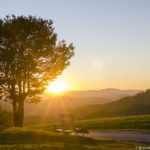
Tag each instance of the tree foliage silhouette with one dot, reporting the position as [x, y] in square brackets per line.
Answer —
[29, 59]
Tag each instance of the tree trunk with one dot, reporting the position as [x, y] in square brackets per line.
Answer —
[21, 113]
[18, 113]
[15, 116]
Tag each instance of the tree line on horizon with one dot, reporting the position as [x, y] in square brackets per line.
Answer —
[127, 106]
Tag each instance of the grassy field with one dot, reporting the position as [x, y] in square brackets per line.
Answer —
[117, 123]
[141, 123]
[36, 139]
[42, 137]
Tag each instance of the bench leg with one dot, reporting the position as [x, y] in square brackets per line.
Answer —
[62, 131]
[54, 128]
[70, 131]
[76, 134]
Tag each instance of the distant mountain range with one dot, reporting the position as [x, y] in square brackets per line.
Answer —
[105, 93]
[82, 104]
[138, 104]
[49, 109]
[131, 105]
[54, 103]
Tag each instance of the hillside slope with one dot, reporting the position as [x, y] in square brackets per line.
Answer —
[55, 103]
[131, 105]
[134, 105]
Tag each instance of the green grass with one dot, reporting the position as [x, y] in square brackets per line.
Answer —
[42, 137]
[117, 123]
[141, 123]
[36, 139]
[104, 146]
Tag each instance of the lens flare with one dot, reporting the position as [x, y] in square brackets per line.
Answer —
[56, 87]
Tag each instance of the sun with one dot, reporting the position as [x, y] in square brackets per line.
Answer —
[56, 87]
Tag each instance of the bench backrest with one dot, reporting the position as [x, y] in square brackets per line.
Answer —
[67, 121]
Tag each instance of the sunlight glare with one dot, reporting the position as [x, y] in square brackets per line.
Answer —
[56, 87]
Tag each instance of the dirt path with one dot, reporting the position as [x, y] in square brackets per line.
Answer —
[132, 136]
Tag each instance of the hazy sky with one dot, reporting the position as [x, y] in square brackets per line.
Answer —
[112, 39]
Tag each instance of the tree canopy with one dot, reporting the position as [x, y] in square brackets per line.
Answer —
[29, 58]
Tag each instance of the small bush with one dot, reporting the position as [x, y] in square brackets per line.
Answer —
[6, 118]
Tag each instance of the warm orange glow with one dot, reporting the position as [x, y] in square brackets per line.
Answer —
[56, 87]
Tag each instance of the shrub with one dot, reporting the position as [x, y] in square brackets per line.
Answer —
[6, 118]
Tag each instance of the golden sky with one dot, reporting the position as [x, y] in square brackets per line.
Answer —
[111, 39]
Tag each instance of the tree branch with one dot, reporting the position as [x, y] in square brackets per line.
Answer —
[4, 88]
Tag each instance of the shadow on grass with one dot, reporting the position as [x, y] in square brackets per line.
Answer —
[67, 141]
[22, 139]
[26, 136]
[3, 128]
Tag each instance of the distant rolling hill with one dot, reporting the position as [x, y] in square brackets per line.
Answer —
[132, 105]
[53, 103]
[105, 93]
[58, 104]
[49, 110]
[80, 103]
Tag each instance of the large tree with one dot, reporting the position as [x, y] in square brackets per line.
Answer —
[30, 58]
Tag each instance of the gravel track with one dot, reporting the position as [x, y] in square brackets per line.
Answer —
[131, 136]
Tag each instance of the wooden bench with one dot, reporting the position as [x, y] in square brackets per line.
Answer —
[68, 125]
